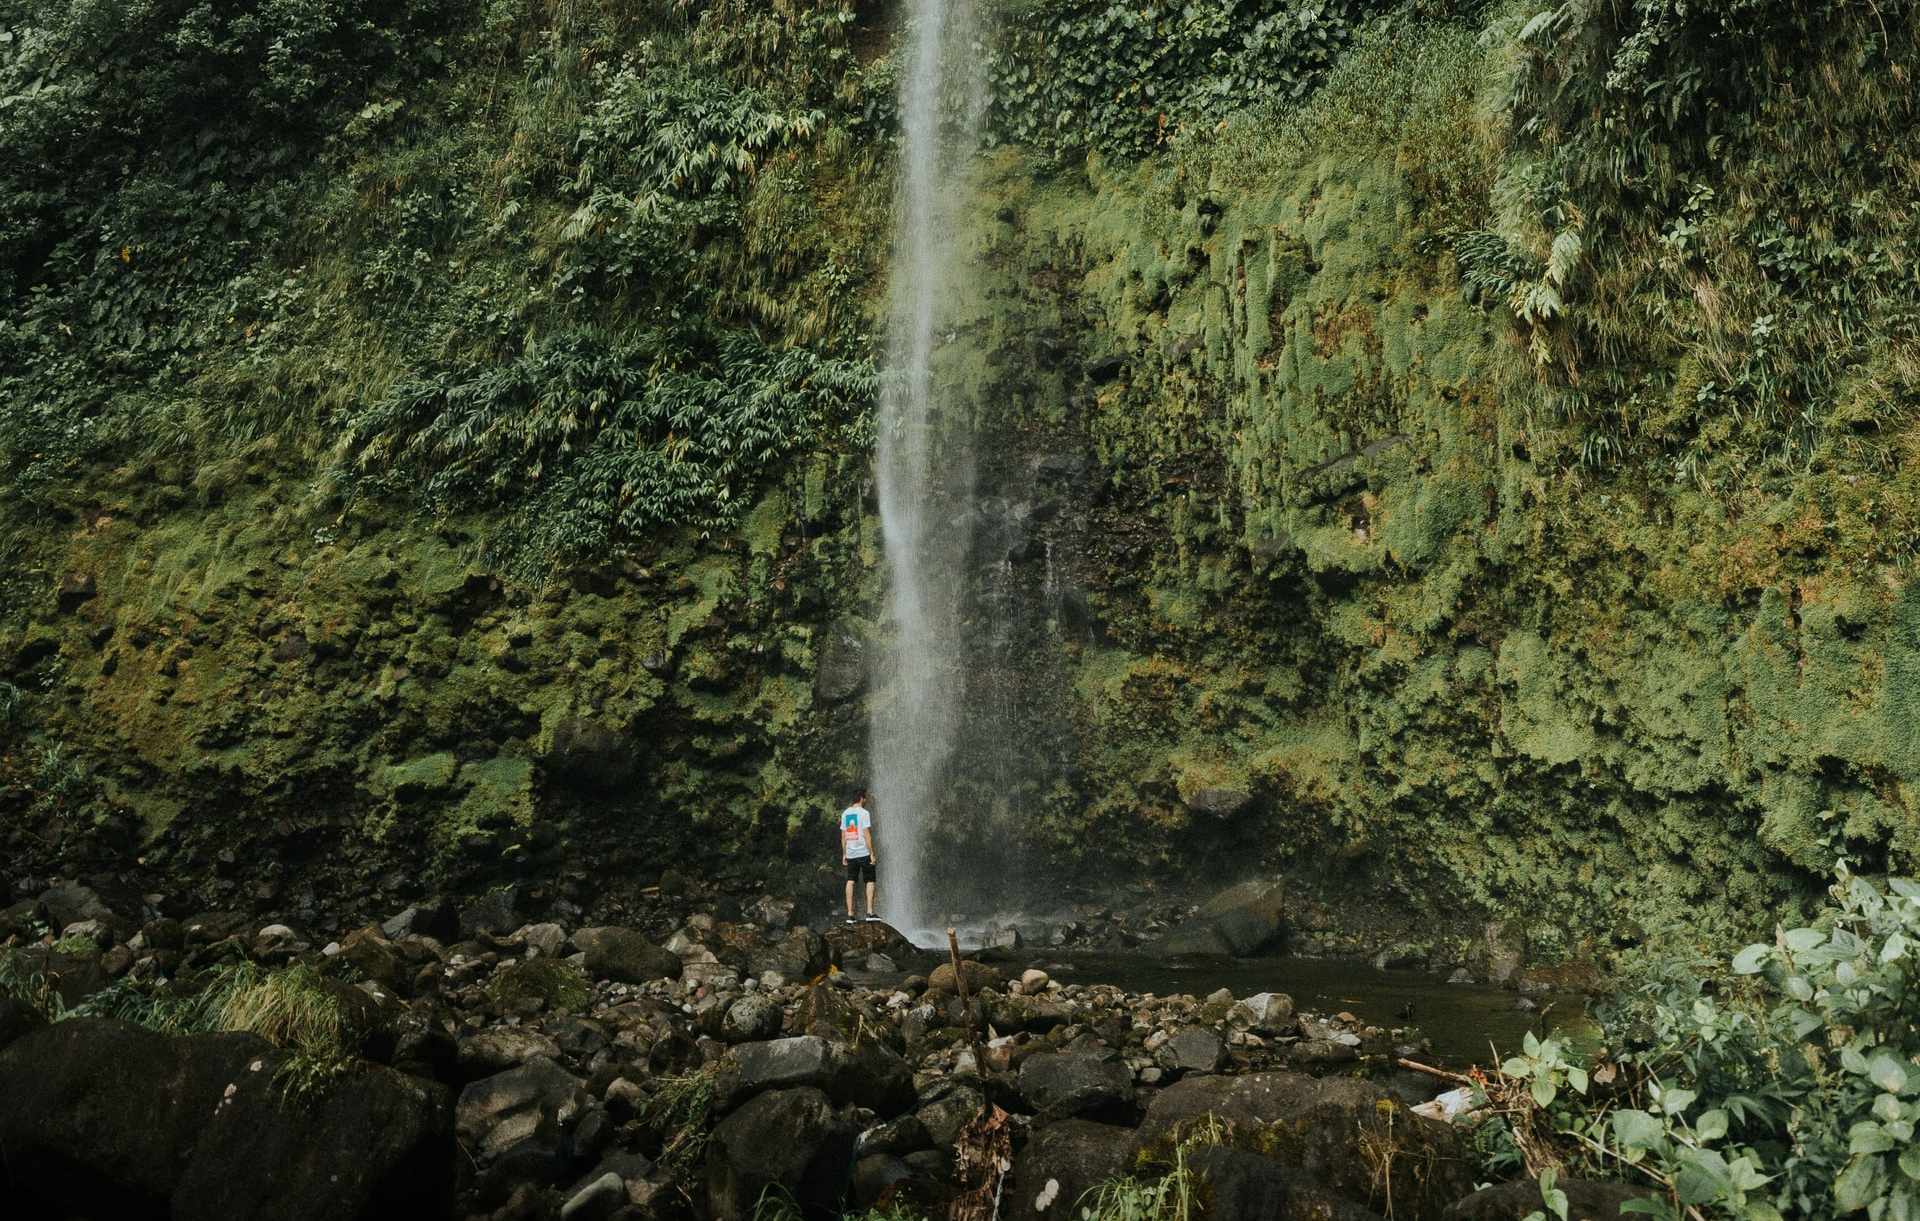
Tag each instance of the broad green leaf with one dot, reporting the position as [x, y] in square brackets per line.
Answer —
[1906, 888]
[1675, 1101]
[1887, 1108]
[1516, 1067]
[1857, 1184]
[1543, 1091]
[1868, 1137]
[1750, 960]
[1746, 1175]
[1800, 940]
[1712, 1125]
[1799, 988]
[1894, 949]
[1638, 1129]
[1887, 1073]
[1577, 1078]
[1530, 1044]
[1910, 1162]
[1853, 1061]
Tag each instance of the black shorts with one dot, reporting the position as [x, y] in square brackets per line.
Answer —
[859, 869]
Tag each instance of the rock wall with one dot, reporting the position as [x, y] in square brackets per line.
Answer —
[1277, 564]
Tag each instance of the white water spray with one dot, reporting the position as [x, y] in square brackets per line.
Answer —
[924, 466]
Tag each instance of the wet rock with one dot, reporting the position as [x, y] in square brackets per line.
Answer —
[782, 1064]
[1058, 1085]
[83, 1142]
[979, 976]
[537, 1099]
[847, 943]
[498, 1048]
[587, 753]
[899, 1137]
[880, 963]
[1035, 1015]
[438, 920]
[947, 1109]
[869, 1075]
[1244, 1186]
[1264, 1013]
[1324, 1130]
[1502, 952]
[374, 1144]
[69, 903]
[1400, 956]
[840, 664]
[752, 1017]
[374, 956]
[1515, 1201]
[800, 954]
[545, 940]
[597, 1201]
[1192, 1050]
[1241, 920]
[17, 1018]
[1219, 802]
[773, 912]
[875, 1175]
[625, 956]
[495, 913]
[789, 1140]
[1061, 1163]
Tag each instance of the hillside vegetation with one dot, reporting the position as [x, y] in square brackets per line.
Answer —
[1473, 443]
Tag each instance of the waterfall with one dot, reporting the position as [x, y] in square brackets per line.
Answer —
[924, 470]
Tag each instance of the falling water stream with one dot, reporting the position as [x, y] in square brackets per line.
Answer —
[924, 467]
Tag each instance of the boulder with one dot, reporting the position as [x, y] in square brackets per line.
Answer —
[374, 1144]
[18, 1018]
[1058, 1085]
[840, 664]
[1515, 1201]
[1194, 1049]
[869, 1075]
[498, 1048]
[495, 913]
[81, 1141]
[545, 940]
[1059, 1164]
[804, 1060]
[1242, 1186]
[598, 1200]
[1328, 1132]
[625, 956]
[70, 903]
[851, 943]
[1264, 1013]
[1219, 801]
[948, 1108]
[1240, 920]
[979, 976]
[537, 1099]
[1501, 954]
[785, 1140]
[875, 1175]
[754, 1016]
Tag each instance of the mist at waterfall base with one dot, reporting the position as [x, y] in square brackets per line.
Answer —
[924, 470]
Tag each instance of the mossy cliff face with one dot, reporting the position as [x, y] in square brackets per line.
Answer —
[1278, 563]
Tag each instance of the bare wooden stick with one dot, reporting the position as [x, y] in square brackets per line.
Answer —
[1431, 1071]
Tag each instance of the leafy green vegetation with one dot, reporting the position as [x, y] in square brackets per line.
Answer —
[1782, 1084]
[1071, 76]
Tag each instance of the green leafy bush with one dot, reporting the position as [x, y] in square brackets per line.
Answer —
[1120, 76]
[1787, 1086]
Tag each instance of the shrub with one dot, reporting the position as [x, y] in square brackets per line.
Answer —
[1784, 1085]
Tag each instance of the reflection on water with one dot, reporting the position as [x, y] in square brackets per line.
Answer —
[1466, 1023]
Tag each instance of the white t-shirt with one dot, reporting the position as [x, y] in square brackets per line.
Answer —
[854, 825]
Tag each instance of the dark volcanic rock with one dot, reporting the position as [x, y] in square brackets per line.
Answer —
[1059, 1164]
[1514, 1201]
[497, 912]
[787, 1139]
[17, 1018]
[868, 1075]
[374, 1144]
[1240, 920]
[83, 1141]
[70, 903]
[840, 666]
[625, 956]
[538, 1100]
[1324, 1131]
[1058, 1085]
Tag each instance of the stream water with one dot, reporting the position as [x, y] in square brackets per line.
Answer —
[1466, 1023]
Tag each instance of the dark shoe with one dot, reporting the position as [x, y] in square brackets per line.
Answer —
[851, 920]
[872, 919]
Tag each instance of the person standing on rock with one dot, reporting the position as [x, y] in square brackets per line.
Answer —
[857, 852]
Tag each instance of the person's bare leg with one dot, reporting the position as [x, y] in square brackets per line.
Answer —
[869, 898]
[849, 898]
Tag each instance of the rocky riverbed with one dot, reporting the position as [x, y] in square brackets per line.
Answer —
[694, 1066]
